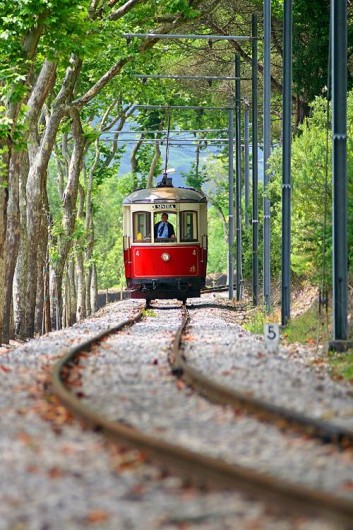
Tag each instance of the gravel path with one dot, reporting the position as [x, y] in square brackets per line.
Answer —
[55, 475]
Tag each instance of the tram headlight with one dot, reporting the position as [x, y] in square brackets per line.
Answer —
[165, 256]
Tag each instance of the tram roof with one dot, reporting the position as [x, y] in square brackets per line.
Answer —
[165, 194]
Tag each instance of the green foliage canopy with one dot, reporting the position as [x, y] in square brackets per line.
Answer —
[311, 194]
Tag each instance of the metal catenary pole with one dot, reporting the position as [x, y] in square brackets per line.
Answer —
[246, 164]
[255, 208]
[286, 160]
[339, 166]
[230, 203]
[267, 152]
[238, 220]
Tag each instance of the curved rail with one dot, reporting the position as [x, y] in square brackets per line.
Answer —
[203, 469]
[325, 431]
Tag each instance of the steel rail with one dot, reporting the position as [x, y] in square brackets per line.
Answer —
[325, 431]
[291, 494]
[203, 469]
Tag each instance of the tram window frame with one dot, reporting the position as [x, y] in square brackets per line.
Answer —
[172, 218]
[184, 226]
[144, 229]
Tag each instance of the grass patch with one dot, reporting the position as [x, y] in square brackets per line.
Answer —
[256, 321]
[308, 328]
[311, 328]
[255, 324]
[149, 313]
[342, 364]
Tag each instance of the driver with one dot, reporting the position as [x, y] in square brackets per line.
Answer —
[164, 229]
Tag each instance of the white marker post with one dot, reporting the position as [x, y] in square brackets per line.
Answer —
[271, 333]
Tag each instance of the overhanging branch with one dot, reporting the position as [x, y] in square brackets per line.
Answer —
[117, 67]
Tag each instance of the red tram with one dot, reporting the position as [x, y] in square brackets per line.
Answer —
[165, 262]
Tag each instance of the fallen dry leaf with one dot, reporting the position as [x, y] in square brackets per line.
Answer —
[180, 384]
[188, 337]
[97, 516]
[347, 485]
[25, 438]
[55, 472]
[68, 450]
[32, 469]
[138, 489]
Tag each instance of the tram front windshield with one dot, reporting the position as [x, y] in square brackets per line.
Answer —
[165, 226]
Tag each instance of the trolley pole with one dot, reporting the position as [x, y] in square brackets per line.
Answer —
[239, 251]
[230, 201]
[286, 159]
[339, 166]
[267, 152]
[255, 206]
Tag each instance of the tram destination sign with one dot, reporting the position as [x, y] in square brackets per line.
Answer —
[163, 206]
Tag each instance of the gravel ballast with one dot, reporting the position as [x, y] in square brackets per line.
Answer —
[56, 475]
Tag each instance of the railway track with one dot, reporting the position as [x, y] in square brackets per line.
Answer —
[323, 430]
[201, 468]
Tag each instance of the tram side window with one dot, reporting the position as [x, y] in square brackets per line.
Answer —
[142, 227]
[188, 224]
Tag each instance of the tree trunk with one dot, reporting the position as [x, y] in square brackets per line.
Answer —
[88, 281]
[69, 200]
[94, 289]
[47, 319]
[3, 209]
[81, 288]
[41, 264]
[12, 242]
[53, 289]
[154, 164]
[66, 300]
[21, 272]
[9, 178]
[73, 290]
[89, 238]
[80, 270]
[36, 184]
[134, 162]
[35, 189]
[88, 262]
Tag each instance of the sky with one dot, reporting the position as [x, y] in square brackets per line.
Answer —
[180, 159]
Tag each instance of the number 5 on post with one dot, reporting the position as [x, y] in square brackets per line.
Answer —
[271, 334]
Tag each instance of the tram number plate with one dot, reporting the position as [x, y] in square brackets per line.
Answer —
[271, 333]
